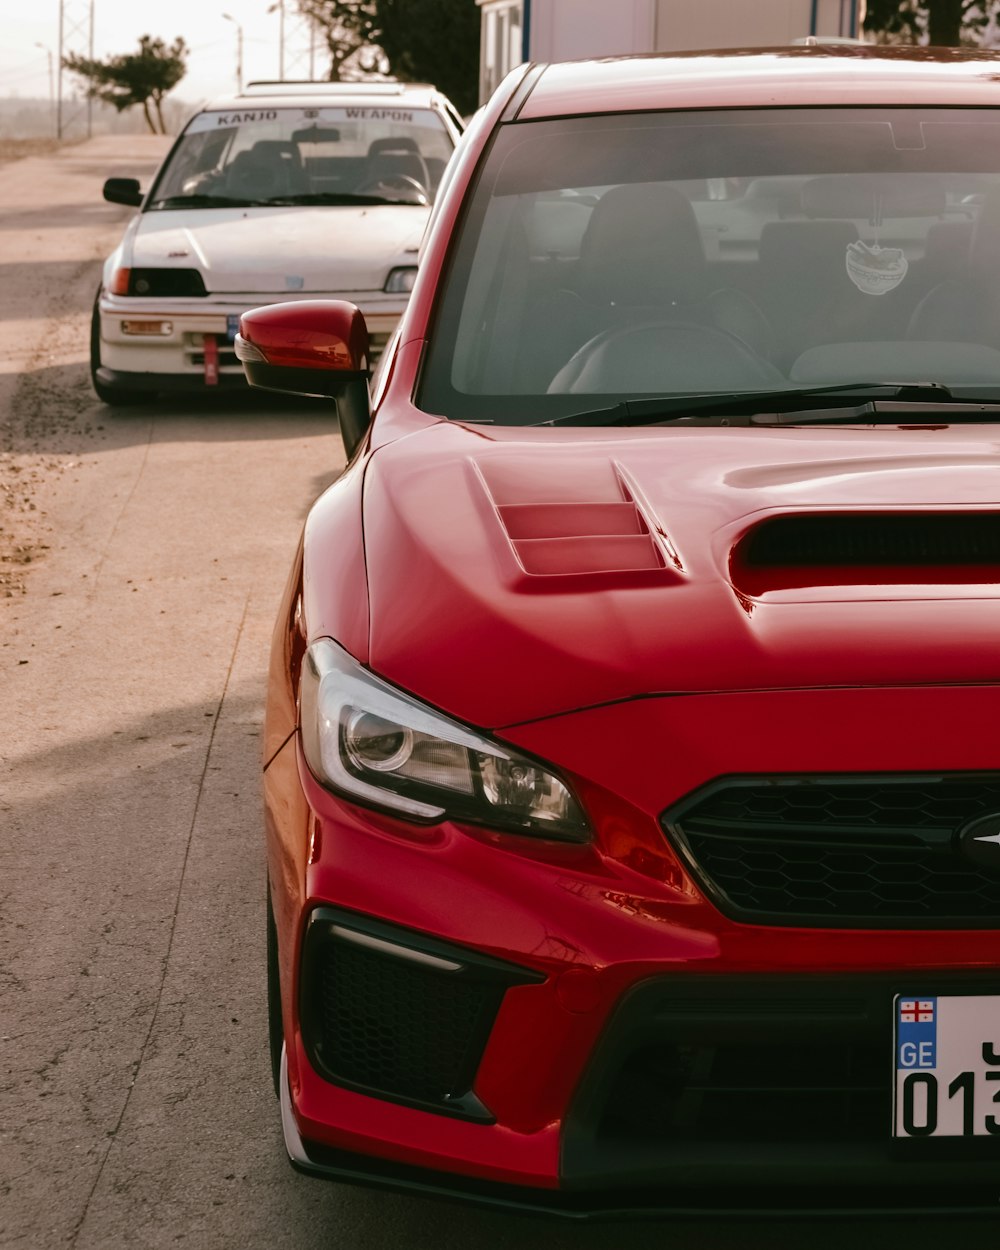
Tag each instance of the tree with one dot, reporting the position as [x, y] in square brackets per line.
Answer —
[941, 23]
[349, 29]
[433, 41]
[414, 40]
[141, 77]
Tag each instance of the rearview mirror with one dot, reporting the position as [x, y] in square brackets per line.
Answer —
[316, 134]
[123, 191]
[311, 347]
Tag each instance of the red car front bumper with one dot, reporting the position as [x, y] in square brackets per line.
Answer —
[646, 1051]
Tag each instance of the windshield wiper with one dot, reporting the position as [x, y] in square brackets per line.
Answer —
[205, 201]
[324, 198]
[886, 400]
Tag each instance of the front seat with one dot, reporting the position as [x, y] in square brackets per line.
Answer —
[966, 308]
[393, 158]
[272, 168]
[642, 260]
[804, 287]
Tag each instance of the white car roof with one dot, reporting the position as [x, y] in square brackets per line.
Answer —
[304, 94]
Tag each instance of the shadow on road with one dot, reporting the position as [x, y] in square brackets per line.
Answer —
[46, 275]
[90, 213]
[55, 411]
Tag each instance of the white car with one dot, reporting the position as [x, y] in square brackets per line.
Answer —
[288, 191]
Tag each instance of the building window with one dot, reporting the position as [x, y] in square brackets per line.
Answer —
[501, 42]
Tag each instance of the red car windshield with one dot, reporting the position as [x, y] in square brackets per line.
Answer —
[624, 256]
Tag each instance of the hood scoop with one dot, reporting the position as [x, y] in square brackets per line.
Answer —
[611, 533]
[869, 548]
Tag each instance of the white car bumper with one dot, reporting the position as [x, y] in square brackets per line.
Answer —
[158, 343]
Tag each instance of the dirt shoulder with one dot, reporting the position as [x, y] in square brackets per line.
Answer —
[55, 230]
[15, 149]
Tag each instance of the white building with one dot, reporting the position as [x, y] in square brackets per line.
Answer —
[564, 30]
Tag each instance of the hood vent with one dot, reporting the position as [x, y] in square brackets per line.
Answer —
[555, 532]
[884, 547]
[559, 539]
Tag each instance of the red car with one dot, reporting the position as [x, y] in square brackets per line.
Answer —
[632, 776]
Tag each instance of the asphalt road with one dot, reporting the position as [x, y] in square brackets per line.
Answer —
[142, 555]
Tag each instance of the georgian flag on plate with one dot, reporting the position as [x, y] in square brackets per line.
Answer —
[916, 1011]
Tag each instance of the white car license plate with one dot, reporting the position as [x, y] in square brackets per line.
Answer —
[947, 1057]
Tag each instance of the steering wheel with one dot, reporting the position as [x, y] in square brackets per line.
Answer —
[656, 356]
[401, 182]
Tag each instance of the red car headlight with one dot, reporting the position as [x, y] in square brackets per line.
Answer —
[378, 746]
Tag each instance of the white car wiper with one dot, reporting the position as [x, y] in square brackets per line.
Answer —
[334, 198]
[886, 401]
[206, 201]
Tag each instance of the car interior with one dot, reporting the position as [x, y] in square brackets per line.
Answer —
[752, 277]
[363, 159]
[779, 287]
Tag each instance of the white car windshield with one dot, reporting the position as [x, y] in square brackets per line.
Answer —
[294, 156]
[647, 255]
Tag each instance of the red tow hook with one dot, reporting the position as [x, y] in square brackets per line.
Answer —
[211, 360]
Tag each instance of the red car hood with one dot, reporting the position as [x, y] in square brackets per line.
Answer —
[515, 574]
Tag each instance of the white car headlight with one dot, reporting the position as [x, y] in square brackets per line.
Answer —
[374, 744]
[400, 281]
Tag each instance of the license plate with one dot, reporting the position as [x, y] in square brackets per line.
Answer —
[947, 1057]
[232, 326]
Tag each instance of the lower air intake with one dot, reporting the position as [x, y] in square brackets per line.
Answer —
[735, 1091]
[396, 1014]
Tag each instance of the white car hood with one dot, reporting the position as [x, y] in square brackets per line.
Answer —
[280, 250]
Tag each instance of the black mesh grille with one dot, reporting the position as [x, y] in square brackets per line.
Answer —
[399, 1014]
[689, 1065]
[874, 850]
[396, 1027]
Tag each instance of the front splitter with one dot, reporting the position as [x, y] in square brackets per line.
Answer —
[347, 1168]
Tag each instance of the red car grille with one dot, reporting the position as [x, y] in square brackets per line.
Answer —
[849, 851]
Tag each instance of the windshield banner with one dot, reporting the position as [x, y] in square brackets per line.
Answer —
[225, 119]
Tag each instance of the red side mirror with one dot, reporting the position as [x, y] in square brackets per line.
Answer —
[309, 347]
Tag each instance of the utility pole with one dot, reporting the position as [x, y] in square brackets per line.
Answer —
[239, 51]
[52, 83]
[296, 43]
[76, 36]
[279, 8]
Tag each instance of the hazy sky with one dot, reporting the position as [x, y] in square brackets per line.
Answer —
[119, 23]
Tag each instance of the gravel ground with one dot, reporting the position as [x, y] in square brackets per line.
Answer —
[43, 438]
[15, 149]
[54, 231]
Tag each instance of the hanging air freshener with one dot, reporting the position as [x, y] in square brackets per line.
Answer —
[876, 270]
